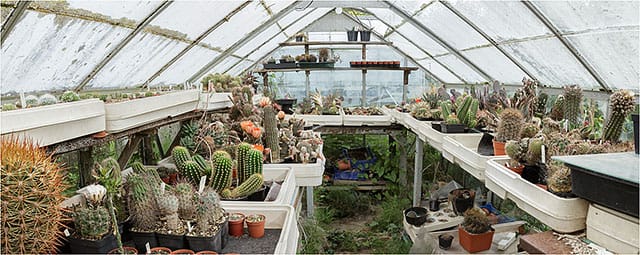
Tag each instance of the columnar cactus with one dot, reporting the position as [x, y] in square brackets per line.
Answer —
[141, 190]
[139, 168]
[572, 103]
[32, 186]
[621, 104]
[271, 132]
[557, 111]
[203, 163]
[208, 212]
[445, 108]
[91, 223]
[242, 156]
[510, 124]
[180, 155]
[192, 171]
[255, 163]
[248, 187]
[221, 173]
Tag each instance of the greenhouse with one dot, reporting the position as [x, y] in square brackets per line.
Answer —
[319, 127]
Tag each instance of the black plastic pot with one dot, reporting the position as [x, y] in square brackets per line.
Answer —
[461, 200]
[365, 36]
[352, 36]
[259, 195]
[485, 147]
[208, 243]
[417, 219]
[225, 233]
[173, 242]
[141, 238]
[287, 104]
[434, 205]
[436, 125]
[452, 128]
[298, 39]
[444, 241]
[102, 246]
[636, 136]
[533, 174]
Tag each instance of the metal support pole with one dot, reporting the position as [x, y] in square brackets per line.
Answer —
[307, 83]
[310, 209]
[417, 173]
[363, 101]
[405, 86]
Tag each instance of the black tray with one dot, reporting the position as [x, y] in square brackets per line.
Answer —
[614, 193]
[452, 128]
[280, 65]
[316, 65]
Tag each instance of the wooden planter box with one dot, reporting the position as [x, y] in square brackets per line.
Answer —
[134, 113]
[55, 123]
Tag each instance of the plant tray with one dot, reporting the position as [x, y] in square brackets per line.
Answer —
[463, 150]
[214, 101]
[441, 220]
[280, 65]
[561, 214]
[55, 123]
[286, 195]
[452, 128]
[320, 120]
[366, 120]
[281, 231]
[306, 175]
[316, 65]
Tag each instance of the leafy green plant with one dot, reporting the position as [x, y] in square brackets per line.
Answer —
[313, 237]
[346, 202]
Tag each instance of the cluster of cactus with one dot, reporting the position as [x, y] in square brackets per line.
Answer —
[524, 99]
[47, 99]
[529, 130]
[249, 177]
[168, 205]
[141, 191]
[30, 101]
[476, 221]
[188, 133]
[185, 193]
[510, 124]
[32, 186]
[271, 132]
[557, 110]
[620, 105]
[69, 96]
[540, 103]
[208, 214]
[187, 166]
[572, 102]
[517, 149]
[248, 187]
[466, 111]
[220, 82]
[559, 179]
[421, 110]
[91, 223]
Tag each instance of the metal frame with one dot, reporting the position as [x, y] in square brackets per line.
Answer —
[417, 46]
[11, 21]
[196, 42]
[566, 44]
[487, 37]
[123, 43]
[439, 40]
[243, 41]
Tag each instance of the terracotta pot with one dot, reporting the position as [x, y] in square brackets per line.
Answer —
[173, 178]
[207, 252]
[344, 165]
[236, 227]
[256, 229]
[160, 250]
[498, 148]
[183, 251]
[475, 242]
[518, 170]
[128, 250]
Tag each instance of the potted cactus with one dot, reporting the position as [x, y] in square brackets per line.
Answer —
[209, 220]
[171, 231]
[255, 225]
[249, 168]
[141, 188]
[236, 224]
[509, 127]
[92, 223]
[475, 232]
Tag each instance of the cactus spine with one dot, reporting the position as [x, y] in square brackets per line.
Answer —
[192, 171]
[138, 168]
[271, 132]
[185, 194]
[510, 124]
[168, 208]
[560, 178]
[221, 173]
[621, 104]
[476, 221]
[572, 102]
[92, 223]
[248, 187]
[557, 109]
[242, 155]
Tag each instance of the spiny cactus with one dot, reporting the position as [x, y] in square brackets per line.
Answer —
[466, 112]
[9, 107]
[557, 111]
[221, 173]
[185, 193]
[271, 132]
[141, 190]
[541, 104]
[30, 101]
[534, 151]
[209, 213]
[242, 156]
[572, 103]
[452, 119]
[255, 163]
[445, 108]
[476, 221]
[180, 155]
[32, 186]
[514, 150]
[621, 104]
[203, 163]
[91, 223]
[248, 187]
[550, 126]
[529, 130]
[47, 99]
[139, 168]
[421, 110]
[168, 208]
[510, 124]
[69, 96]
[559, 178]
[192, 171]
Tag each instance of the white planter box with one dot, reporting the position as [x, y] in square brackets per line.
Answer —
[309, 174]
[287, 193]
[366, 120]
[320, 120]
[55, 123]
[214, 101]
[561, 214]
[615, 231]
[129, 114]
[278, 217]
[463, 150]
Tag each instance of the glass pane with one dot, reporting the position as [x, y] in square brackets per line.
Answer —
[182, 69]
[574, 16]
[496, 64]
[240, 67]
[614, 56]
[238, 26]
[292, 16]
[4, 13]
[387, 15]
[46, 51]
[258, 40]
[193, 17]
[439, 70]
[461, 69]
[276, 6]
[449, 27]
[224, 65]
[135, 10]
[406, 47]
[502, 20]
[268, 47]
[422, 40]
[301, 24]
[551, 63]
[411, 7]
[140, 59]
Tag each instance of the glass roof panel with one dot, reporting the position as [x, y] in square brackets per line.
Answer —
[224, 65]
[240, 67]
[301, 24]
[249, 18]
[422, 40]
[574, 16]
[449, 27]
[268, 47]
[47, 51]
[387, 15]
[502, 20]
[614, 55]
[551, 63]
[407, 47]
[461, 68]
[293, 16]
[182, 69]
[193, 17]
[439, 70]
[140, 59]
[277, 5]
[258, 40]
[411, 7]
[496, 64]
[136, 10]
[4, 13]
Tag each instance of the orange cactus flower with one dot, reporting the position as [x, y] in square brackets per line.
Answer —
[264, 101]
[259, 147]
[418, 100]
[247, 126]
[280, 115]
[256, 132]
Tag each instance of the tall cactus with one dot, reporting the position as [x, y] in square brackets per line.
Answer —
[572, 103]
[271, 132]
[180, 155]
[445, 107]
[192, 171]
[221, 173]
[541, 104]
[185, 193]
[463, 109]
[242, 156]
[141, 191]
[203, 163]
[255, 163]
[248, 187]
[139, 168]
[621, 104]
[510, 124]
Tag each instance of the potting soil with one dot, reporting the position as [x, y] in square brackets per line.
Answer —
[248, 245]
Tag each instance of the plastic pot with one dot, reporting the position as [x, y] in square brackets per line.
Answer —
[416, 216]
[444, 241]
[518, 169]
[352, 36]
[101, 246]
[127, 249]
[256, 229]
[461, 200]
[452, 128]
[485, 146]
[206, 243]
[287, 104]
[259, 195]
[160, 250]
[236, 226]
[498, 148]
[173, 242]
[365, 35]
[183, 251]
[434, 205]
[436, 126]
[141, 238]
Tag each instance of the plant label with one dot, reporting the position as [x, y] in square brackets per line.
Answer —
[66, 232]
[148, 247]
[23, 101]
[543, 154]
[203, 181]
[162, 186]
[189, 227]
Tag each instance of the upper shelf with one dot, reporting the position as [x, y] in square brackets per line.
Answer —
[333, 43]
[336, 69]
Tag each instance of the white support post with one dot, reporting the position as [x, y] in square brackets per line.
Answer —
[310, 209]
[417, 173]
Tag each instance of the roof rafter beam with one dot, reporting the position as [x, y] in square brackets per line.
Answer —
[439, 40]
[196, 42]
[12, 20]
[124, 43]
[420, 48]
[487, 37]
[567, 44]
[244, 40]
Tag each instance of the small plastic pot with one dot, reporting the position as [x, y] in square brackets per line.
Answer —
[498, 148]
[444, 241]
[236, 226]
[256, 229]
[183, 251]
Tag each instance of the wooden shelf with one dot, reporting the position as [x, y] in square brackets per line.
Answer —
[334, 43]
[338, 69]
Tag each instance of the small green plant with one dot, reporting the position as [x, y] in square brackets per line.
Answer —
[69, 96]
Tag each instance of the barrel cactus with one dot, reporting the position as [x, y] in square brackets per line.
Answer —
[510, 124]
[30, 101]
[572, 103]
[47, 99]
[32, 186]
[91, 223]
[559, 179]
[529, 130]
[621, 104]
[476, 221]
[168, 208]
[271, 131]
